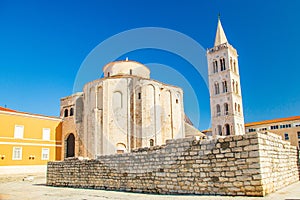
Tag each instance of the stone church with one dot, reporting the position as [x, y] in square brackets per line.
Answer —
[123, 110]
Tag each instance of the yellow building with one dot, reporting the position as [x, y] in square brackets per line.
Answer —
[28, 139]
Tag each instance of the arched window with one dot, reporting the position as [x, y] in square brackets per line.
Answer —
[235, 107]
[237, 87]
[217, 89]
[233, 85]
[218, 110]
[151, 141]
[225, 89]
[70, 146]
[231, 63]
[226, 108]
[66, 113]
[222, 61]
[71, 111]
[219, 130]
[234, 67]
[108, 74]
[227, 129]
[215, 66]
[130, 71]
[239, 108]
[121, 148]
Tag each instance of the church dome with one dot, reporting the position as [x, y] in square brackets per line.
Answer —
[126, 67]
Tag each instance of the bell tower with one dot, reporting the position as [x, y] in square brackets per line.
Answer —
[226, 106]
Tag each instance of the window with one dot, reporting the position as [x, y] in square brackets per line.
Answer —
[224, 83]
[19, 131]
[108, 74]
[298, 135]
[237, 87]
[263, 129]
[235, 107]
[17, 153]
[286, 136]
[286, 126]
[226, 108]
[139, 95]
[176, 100]
[234, 67]
[274, 127]
[251, 130]
[227, 129]
[233, 86]
[71, 111]
[218, 110]
[151, 142]
[217, 89]
[46, 133]
[239, 108]
[222, 61]
[230, 62]
[215, 66]
[66, 113]
[130, 71]
[219, 130]
[45, 154]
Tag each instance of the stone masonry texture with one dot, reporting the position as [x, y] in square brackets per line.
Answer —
[254, 164]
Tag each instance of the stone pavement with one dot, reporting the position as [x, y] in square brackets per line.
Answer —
[14, 188]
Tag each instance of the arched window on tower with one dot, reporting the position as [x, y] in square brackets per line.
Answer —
[234, 67]
[71, 111]
[233, 85]
[239, 108]
[215, 66]
[231, 63]
[237, 88]
[218, 110]
[217, 88]
[226, 108]
[219, 130]
[225, 89]
[66, 113]
[222, 61]
[227, 129]
[235, 107]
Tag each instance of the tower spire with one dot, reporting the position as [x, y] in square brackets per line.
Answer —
[220, 35]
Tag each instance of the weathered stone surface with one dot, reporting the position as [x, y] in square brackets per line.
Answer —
[183, 167]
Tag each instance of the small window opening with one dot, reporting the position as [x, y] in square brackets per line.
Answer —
[176, 100]
[71, 111]
[130, 71]
[151, 142]
[66, 114]
[139, 95]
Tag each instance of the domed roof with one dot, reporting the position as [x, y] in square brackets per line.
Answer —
[126, 67]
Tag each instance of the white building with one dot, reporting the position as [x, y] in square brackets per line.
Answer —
[122, 111]
[224, 85]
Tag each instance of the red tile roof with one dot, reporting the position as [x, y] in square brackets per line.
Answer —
[273, 121]
[7, 109]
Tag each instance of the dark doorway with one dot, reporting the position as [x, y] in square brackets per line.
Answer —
[227, 129]
[70, 144]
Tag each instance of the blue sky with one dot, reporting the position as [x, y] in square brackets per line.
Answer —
[43, 44]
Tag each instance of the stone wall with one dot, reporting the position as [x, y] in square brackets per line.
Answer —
[253, 165]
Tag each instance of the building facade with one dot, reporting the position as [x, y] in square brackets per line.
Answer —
[226, 105]
[28, 139]
[288, 128]
[123, 110]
